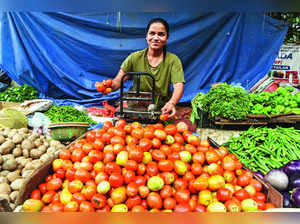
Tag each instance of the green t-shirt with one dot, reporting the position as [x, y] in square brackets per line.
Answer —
[168, 71]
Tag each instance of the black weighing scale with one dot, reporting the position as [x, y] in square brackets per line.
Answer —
[141, 105]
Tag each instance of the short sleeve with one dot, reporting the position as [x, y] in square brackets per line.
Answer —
[127, 64]
[177, 74]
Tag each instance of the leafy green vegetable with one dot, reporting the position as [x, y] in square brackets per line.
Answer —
[19, 94]
[67, 114]
[222, 100]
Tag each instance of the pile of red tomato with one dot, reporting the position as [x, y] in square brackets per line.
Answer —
[128, 167]
[104, 87]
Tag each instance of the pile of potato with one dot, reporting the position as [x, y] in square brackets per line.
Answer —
[21, 153]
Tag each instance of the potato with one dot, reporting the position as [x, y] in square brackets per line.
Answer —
[13, 196]
[35, 153]
[1, 159]
[4, 196]
[19, 208]
[45, 157]
[51, 150]
[12, 176]
[33, 137]
[10, 165]
[12, 133]
[12, 206]
[6, 132]
[19, 159]
[42, 149]
[3, 180]
[27, 173]
[23, 130]
[7, 146]
[27, 144]
[24, 162]
[46, 144]
[25, 153]
[17, 138]
[4, 173]
[17, 152]
[17, 184]
[54, 143]
[2, 139]
[38, 142]
[7, 157]
[4, 188]
[36, 163]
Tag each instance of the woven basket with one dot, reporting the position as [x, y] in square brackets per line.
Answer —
[68, 130]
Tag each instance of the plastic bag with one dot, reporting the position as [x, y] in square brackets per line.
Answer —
[19, 119]
[38, 122]
[31, 106]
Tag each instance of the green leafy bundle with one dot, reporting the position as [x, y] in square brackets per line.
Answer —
[19, 94]
[224, 100]
[67, 114]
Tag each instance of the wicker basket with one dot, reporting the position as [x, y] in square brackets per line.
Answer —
[68, 130]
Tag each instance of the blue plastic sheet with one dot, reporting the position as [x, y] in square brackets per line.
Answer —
[63, 55]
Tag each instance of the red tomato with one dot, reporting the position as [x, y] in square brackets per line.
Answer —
[137, 133]
[233, 206]
[184, 207]
[160, 134]
[241, 194]
[132, 189]
[256, 184]
[194, 140]
[48, 197]
[143, 191]
[57, 207]
[171, 129]
[112, 167]
[65, 154]
[78, 197]
[182, 196]
[167, 150]
[140, 180]
[133, 201]
[152, 169]
[91, 136]
[180, 184]
[156, 143]
[178, 138]
[108, 157]
[269, 206]
[36, 194]
[86, 207]
[82, 175]
[243, 180]
[259, 196]
[107, 125]
[138, 208]
[77, 155]
[145, 144]
[54, 184]
[95, 156]
[166, 192]
[211, 156]
[261, 205]
[60, 173]
[200, 183]
[164, 117]
[158, 155]
[224, 194]
[165, 165]
[196, 168]
[136, 154]
[70, 174]
[120, 123]
[154, 200]
[129, 176]
[116, 180]
[71, 206]
[98, 201]
[141, 169]
[169, 203]
[149, 133]
[89, 191]
[131, 165]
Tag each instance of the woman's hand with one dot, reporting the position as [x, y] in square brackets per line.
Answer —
[170, 109]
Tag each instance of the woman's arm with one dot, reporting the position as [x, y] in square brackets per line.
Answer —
[170, 105]
[116, 82]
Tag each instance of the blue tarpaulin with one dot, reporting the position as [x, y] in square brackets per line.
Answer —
[63, 55]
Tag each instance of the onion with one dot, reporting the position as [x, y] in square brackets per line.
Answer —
[277, 179]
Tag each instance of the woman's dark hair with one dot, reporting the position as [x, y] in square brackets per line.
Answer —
[166, 25]
[159, 20]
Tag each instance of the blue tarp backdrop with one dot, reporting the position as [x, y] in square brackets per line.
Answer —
[63, 55]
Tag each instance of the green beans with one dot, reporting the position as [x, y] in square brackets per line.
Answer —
[263, 149]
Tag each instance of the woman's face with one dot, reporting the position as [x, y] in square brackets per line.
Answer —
[156, 36]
